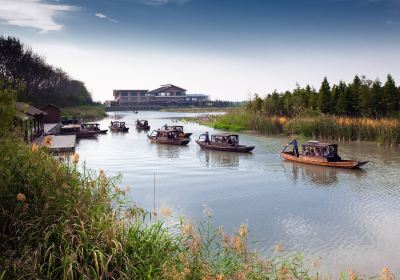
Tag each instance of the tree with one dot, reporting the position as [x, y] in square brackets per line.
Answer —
[390, 96]
[324, 100]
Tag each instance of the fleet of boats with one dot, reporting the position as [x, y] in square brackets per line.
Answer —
[313, 152]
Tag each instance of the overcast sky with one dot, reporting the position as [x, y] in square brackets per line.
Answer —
[228, 49]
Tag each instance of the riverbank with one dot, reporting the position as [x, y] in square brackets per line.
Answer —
[382, 131]
[87, 112]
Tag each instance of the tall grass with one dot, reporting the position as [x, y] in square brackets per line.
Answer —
[239, 120]
[87, 112]
[60, 223]
[384, 131]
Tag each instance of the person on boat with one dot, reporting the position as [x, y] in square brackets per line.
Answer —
[326, 152]
[295, 147]
[207, 138]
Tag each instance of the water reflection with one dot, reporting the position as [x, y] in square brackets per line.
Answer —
[169, 151]
[221, 159]
[319, 175]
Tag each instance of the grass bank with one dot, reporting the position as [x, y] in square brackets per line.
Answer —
[383, 131]
[87, 113]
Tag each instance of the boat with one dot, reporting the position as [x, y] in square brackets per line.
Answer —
[142, 124]
[117, 126]
[178, 128]
[223, 142]
[93, 127]
[75, 129]
[171, 137]
[322, 154]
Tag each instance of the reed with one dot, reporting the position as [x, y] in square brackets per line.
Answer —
[383, 131]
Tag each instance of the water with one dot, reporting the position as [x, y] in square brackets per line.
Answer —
[337, 218]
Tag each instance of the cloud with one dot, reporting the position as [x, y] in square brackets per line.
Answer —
[32, 13]
[103, 16]
[163, 2]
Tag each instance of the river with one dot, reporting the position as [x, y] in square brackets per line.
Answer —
[338, 219]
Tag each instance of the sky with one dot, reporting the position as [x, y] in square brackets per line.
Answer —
[228, 49]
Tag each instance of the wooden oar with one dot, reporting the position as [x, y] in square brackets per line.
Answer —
[285, 148]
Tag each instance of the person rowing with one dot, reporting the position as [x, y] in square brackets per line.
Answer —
[295, 147]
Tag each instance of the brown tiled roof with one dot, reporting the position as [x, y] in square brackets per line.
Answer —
[28, 109]
[51, 105]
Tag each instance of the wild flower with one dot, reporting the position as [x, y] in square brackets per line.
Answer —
[386, 274]
[278, 248]
[47, 141]
[243, 230]
[236, 243]
[165, 211]
[102, 174]
[21, 197]
[352, 275]
[35, 147]
[187, 229]
[195, 245]
[283, 273]
[220, 277]
[64, 185]
[75, 158]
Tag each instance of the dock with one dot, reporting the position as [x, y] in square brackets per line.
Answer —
[59, 143]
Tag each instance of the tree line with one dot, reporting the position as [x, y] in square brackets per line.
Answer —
[38, 82]
[361, 98]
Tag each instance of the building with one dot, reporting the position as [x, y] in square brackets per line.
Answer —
[32, 121]
[165, 96]
[53, 113]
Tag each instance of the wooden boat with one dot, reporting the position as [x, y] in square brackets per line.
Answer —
[323, 154]
[93, 127]
[178, 128]
[142, 124]
[171, 137]
[223, 142]
[117, 126]
[75, 129]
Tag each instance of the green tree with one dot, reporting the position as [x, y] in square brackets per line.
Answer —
[324, 100]
[390, 96]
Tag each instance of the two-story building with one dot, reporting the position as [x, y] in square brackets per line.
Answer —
[165, 96]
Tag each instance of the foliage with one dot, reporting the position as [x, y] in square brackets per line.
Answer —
[361, 98]
[41, 82]
[88, 112]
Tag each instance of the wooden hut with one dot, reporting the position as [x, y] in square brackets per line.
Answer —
[32, 121]
[53, 113]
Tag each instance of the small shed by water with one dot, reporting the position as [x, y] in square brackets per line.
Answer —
[31, 121]
[53, 113]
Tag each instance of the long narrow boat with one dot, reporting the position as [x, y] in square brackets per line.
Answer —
[117, 126]
[75, 129]
[223, 142]
[93, 127]
[170, 137]
[323, 154]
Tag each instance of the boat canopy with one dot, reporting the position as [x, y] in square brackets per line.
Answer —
[224, 135]
[316, 144]
[117, 122]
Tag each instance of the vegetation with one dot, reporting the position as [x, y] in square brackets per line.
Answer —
[362, 98]
[363, 110]
[40, 82]
[87, 112]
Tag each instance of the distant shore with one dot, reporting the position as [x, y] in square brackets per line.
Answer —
[87, 112]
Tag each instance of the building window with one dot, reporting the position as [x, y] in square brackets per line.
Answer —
[124, 94]
[142, 94]
[133, 94]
